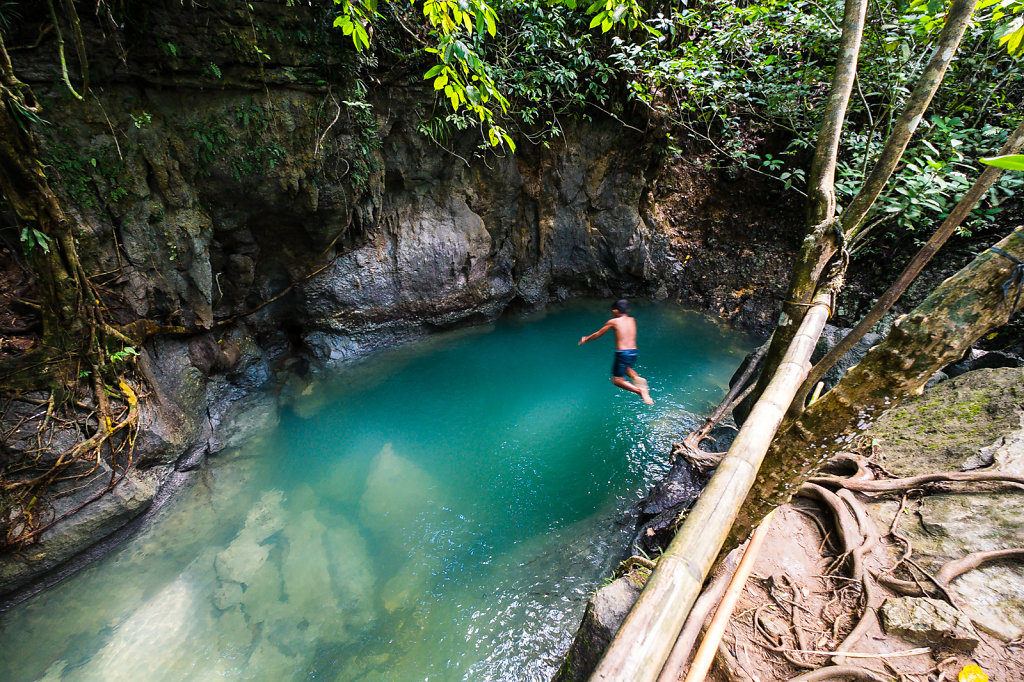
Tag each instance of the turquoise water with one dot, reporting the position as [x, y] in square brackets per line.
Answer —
[440, 511]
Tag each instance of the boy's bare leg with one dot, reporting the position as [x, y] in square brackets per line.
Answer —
[625, 385]
[641, 383]
[637, 379]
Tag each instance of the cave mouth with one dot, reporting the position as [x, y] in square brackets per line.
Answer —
[438, 511]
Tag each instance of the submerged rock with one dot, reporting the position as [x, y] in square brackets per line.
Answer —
[353, 572]
[313, 609]
[928, 621]
[397, 493]
[244, 556]
[154, 636]
[227, 595]
[241, 560]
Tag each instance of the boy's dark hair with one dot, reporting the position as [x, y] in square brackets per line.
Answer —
[622, 305]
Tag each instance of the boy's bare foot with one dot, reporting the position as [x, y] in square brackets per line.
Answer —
[646, 395]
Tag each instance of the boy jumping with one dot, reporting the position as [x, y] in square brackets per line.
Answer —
[625, 353]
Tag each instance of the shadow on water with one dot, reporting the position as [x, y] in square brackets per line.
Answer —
[439, 511]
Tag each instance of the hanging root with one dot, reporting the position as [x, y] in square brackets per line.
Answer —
[22, 496]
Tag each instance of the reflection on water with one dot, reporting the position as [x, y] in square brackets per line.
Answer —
[440, 512]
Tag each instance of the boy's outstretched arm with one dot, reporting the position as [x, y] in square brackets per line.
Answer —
[600, 332]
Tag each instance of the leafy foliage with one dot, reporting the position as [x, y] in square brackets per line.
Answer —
[769, 64]
[457, 29]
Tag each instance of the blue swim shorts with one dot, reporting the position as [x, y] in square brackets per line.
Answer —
[623, 359]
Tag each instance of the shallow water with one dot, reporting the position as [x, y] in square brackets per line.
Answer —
[438, 512]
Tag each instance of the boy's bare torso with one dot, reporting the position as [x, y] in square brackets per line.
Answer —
[625, 332]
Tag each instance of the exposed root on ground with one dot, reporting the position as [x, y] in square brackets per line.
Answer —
[839, 672]
[872, 485]
[786, 627]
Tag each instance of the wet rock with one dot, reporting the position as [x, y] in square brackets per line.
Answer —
[677, 489]
[131, 497]
[242, 420]
[976, 358]
[211, 354]
[656, 534]
[604, 614]
[928, 621]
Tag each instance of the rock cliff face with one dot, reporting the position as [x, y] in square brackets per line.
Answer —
[289, 216]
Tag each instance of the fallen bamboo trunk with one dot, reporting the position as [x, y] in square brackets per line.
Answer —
[647, 635]
[706, 653]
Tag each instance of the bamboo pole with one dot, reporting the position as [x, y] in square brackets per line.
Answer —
[706, 652]
[647, 635]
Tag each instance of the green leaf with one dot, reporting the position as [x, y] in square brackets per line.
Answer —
[1009, 162]
[433, 72]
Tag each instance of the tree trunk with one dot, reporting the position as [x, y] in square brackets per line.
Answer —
[68, 310]
[819, 244]
[965, 307]
[988, 177]
[825, 239]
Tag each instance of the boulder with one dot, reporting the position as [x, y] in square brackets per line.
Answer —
[605, 612]
[928, 621]
[975, 358]
[227, 595]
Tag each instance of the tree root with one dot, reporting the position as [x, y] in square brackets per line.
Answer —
[899, 484]
[950, 571]
[689, 449]
[839, 672]
[21, 525]
[729, 665]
